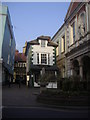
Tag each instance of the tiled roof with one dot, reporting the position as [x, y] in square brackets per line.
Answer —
[50, 43]
[44, 37]
[34, 42]
[20, 57]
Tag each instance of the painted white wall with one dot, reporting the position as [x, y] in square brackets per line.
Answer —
[41, 50]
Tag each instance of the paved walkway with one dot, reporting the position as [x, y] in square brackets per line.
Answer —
[23, 96]
[21, 103]
[26, 97]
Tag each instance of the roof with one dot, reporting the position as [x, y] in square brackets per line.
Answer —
[73, 5]
[36, 42]
[44, 37]
[19, 57]
[50, 43]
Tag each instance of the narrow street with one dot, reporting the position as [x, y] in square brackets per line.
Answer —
[21, 103]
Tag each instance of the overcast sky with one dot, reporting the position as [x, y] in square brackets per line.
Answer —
[31, 20]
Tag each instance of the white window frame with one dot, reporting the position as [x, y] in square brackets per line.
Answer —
[73, 35]
[43, 43]
[43, 58]
[37, 58]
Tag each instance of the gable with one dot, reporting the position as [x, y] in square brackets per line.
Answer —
[72, 7]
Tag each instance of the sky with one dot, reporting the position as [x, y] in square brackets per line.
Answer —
[33, 19]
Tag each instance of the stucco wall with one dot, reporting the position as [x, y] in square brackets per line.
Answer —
[46, 50]
[3, 10]
[5, 47]
[8, 49]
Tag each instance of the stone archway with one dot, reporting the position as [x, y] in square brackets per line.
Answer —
[76, 70]
[86, 67]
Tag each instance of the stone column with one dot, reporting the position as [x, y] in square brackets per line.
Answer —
[81, 70]
[80, 67]
[68, 68]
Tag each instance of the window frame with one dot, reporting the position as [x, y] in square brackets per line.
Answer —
[37, 58]
[63, 43]
[44, 58]
[43, 43]
[57, 49]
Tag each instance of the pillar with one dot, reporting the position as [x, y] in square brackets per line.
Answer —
[80, 67]
[72, 69]
[81, 70]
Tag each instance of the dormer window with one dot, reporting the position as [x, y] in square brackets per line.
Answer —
[42, 43]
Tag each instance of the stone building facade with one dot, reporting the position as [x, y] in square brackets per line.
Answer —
[77, 40]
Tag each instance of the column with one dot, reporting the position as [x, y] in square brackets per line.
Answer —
[81, 70]
[80, 67]
[87, 18]
[72, 72]
[68, 68]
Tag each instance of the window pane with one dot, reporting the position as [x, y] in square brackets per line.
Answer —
[43, 59]
[73, 31]
[42, 43]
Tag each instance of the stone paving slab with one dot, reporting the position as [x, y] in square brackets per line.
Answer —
[26, 97]
[23, 96]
